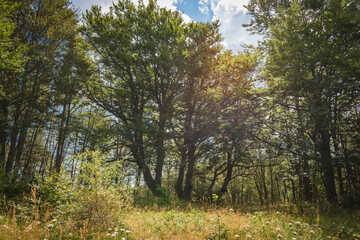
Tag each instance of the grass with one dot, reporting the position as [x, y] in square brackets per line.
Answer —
[35, 219]
[226, 223]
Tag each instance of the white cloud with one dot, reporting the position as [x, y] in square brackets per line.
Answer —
[204, 6]
[169, 4]
[105, 5]
[232, 14]
[229, 6]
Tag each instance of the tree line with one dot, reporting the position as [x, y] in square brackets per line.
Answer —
[275, 123]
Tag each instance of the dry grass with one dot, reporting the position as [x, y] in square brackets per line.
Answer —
[155, 223]
[30, 219]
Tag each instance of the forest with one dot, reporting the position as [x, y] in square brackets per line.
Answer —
[114, 123]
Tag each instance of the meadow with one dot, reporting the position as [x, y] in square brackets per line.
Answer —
[150, 218]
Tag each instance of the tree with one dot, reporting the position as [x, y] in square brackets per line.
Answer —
[311, 50]
[195, 116]
[141, 51]
[43, 27]
[10, 52]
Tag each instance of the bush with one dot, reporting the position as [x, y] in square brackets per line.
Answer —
[13, 188]
[92, 196]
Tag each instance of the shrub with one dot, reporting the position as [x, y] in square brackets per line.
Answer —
[219, 231]
[91, 196]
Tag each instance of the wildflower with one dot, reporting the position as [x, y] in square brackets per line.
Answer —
[29, 228]
[122, 229]
[50, 225]
[54, 220]
[110, 229]
[279, 236]
[138, 213]
[114, 234]
[293, 238]
[127, 231]
[278, 229]
[115, 229]
[108, 234]
[311, 231]
[231, 209]
[297, 223]
[267, 222]
[237, 236]
[248, 236]
[123, 238]
[290, 224]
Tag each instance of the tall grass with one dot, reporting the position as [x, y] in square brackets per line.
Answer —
[93, 206]
[33, 218]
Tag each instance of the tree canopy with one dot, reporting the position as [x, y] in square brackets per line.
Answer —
[175, 112]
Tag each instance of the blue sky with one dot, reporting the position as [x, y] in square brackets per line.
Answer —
[231, 14]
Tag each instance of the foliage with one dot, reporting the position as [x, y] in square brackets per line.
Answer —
[176, 114]
[92, 196]
[11, 51]
[219, 231]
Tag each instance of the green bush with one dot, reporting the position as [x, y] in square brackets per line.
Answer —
[219, 231]
[12, 188]
[91, 196]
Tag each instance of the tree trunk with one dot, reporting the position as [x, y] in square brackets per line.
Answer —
[27, 166]
[13, 141]
[61, 139]
[12, 151]
[293, 190]
[180, 179]
[21, 142]
[229, 170]
[138, 152]
[3, 131]
[263, 179]
[306, 181]
[190, 173]
[160, 149]
[271, 185]
[327, 166]
[259, 192]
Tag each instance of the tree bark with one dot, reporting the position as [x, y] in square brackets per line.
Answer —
[327, 166]
[190, 173]
[64, 122]
[180, 179]
[229, 170]
[3, 131]
[160, 149]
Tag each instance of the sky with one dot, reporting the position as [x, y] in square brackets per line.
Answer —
[231, 14]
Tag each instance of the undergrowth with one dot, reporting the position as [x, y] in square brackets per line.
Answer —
[92, 205]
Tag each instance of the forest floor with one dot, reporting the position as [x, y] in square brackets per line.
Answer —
[180, 220]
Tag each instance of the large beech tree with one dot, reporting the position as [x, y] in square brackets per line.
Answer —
[142, 52]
